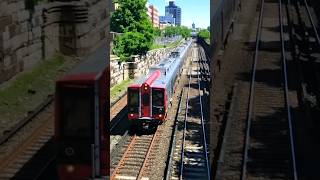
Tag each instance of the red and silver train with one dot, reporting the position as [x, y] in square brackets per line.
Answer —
[149, 97]
[82, 120]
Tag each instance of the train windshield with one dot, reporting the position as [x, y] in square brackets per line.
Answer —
[174, 54]
[133, 100]
[157, 97]
[77, 112]
[133, 97]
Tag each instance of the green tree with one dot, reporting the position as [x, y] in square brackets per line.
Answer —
[184, 31]
[177, 30]
[131, 43]
[204, 33]
[157, 32]
[129, 14]
[132, 20]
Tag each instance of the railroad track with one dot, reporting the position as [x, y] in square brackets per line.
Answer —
[269, 145]
[189, 153]
[134, 162]
[306, 51]
[27, 143]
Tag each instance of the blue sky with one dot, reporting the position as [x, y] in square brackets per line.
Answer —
[197, 11]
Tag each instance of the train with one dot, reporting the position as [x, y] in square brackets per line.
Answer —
[148, 99]
[82, 119]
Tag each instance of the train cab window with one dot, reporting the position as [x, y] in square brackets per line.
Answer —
[77, 112]
[157, 97]
[174, 54]
[133, 97]
[133, 100]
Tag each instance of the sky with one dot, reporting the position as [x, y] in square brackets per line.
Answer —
[197, 11]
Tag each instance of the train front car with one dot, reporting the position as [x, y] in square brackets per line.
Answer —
[149, 97]
[146, 106]
[81, 123]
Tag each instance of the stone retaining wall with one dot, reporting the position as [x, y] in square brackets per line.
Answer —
[29, 35]
[138, 66]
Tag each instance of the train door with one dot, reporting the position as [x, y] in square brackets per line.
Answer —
[145, 99]
[77, 131]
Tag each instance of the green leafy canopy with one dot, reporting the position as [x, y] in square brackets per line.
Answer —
[204, 33]
[131, 19]
[177, 30]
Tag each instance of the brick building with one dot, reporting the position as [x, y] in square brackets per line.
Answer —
[153, 13]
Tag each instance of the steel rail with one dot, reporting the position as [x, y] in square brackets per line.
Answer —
[114, 123]
[26, 120]
[147, 155]
[173, 140]
[122, 160]
[249, 117]
[286, 92]
[45, 167]
[185, 127]
[312, 22]
[202, 123]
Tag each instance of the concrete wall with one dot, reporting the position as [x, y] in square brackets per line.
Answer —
[221, 20]
[29, 35]
[137, 67]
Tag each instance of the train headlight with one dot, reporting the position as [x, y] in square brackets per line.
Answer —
[70, 168]
[146, 88]
[160, 115]
[131, 115]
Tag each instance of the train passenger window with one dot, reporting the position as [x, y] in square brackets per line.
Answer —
[133, 97]
[157, 97]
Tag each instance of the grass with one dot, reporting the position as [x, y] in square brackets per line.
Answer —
[171, 45]
[29, 89]
[174, 44]
[117, 90]
[156, 46]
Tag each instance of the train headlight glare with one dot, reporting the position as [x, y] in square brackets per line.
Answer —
[146, 88]
[131, 115]
[160, 115]
[70, 168]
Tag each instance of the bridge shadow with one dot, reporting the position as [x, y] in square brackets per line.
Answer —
[120, 123]
[267, 46]
[268, 143]
[42, 165]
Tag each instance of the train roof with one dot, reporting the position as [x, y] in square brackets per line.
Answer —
[90, 67]
[165, 66]
[94, 62]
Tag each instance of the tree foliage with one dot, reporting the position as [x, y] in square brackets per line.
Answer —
[204, 33]
[157, 32]
[185, 32]
[132, 20]
[128, 15]
[177, 30]
[131, 43]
